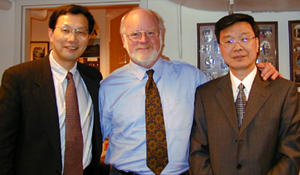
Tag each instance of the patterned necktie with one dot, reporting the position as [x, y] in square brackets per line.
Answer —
[240, 104]
[157, 153]
[74, 141]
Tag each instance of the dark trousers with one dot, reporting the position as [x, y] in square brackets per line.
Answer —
[115, 171]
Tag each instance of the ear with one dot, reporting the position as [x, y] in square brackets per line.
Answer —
[123, 40]
[50, 34]
[257, 44]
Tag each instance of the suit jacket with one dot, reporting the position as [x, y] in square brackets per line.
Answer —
[268, 141]
[29, 124]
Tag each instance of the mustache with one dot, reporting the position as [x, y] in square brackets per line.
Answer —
[143, 47]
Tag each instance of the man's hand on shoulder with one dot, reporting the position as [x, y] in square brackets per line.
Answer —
[268, 70]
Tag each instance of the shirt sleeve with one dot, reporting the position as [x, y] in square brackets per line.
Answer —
[105, 116]
[201, 78]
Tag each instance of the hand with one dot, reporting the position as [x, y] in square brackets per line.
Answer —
[268, 70]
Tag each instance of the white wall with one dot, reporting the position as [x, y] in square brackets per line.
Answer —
[11, 24]
[6, 39]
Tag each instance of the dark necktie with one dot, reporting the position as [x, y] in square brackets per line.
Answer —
[74, 141]
[157, 153]
[240, 104]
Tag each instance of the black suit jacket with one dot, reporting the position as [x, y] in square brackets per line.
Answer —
[266, 143]
[29, 126]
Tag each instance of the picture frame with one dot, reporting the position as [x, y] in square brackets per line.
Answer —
[38, 49]
[93, 47]
[268, 37]
[294, 37]
[209, 58]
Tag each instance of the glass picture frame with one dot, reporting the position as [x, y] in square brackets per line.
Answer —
[38, 49]
[294, 37]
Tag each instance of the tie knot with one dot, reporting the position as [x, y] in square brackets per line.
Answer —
[150, 73]
[241, 87]
[69, 76]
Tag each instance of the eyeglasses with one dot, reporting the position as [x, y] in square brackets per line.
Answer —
[67, 30]
[229, 43]
[136, 35]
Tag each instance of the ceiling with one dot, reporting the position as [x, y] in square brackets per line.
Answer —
[242, 5]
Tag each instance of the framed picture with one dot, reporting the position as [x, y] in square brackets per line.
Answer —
[210, 60]
[294, 35]
[93, 47]
[38, 49]
[268, 43]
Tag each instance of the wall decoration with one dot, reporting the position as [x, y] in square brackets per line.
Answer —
[210, 60]
[268, 43]
[294, 35]
[38, 49]
[92, 49]
[91, 55]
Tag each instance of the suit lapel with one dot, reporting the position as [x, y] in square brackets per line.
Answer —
[45, 97]
[225, 98]
[257, 97]
[93, 88]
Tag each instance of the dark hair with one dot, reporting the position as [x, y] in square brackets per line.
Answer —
[229, 20]
[73, 9]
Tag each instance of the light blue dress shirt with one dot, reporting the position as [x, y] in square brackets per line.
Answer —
[122, 111]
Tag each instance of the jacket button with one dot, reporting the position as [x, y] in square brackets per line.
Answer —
[239, 166]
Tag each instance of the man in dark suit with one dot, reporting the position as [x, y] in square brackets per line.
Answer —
[261, 134]
[32, 103]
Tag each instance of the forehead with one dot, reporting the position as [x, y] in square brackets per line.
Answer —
[74, 20]
[237, 29]
[141, 20]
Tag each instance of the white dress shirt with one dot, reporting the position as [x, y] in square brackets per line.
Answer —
[247, 82]
[84, 103]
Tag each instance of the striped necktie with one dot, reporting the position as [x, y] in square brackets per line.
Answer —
[240, 104]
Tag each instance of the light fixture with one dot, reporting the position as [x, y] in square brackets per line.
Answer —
[230, 7]
[5, 4]
[39, 14]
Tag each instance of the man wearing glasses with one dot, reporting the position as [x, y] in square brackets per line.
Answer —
[123, 102]
[49, 117]
[242, 124]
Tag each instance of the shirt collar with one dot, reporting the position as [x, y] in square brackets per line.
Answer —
[140, 71]
[247, 81]
[58, 71]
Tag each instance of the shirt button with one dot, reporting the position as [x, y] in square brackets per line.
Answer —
[239, 166]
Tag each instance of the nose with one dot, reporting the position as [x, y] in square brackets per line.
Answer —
[72, 36]
[144, 37]
[237, 45]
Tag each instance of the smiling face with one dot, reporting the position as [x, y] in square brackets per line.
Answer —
[241, 58]
[68, 48]
[146, 50]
